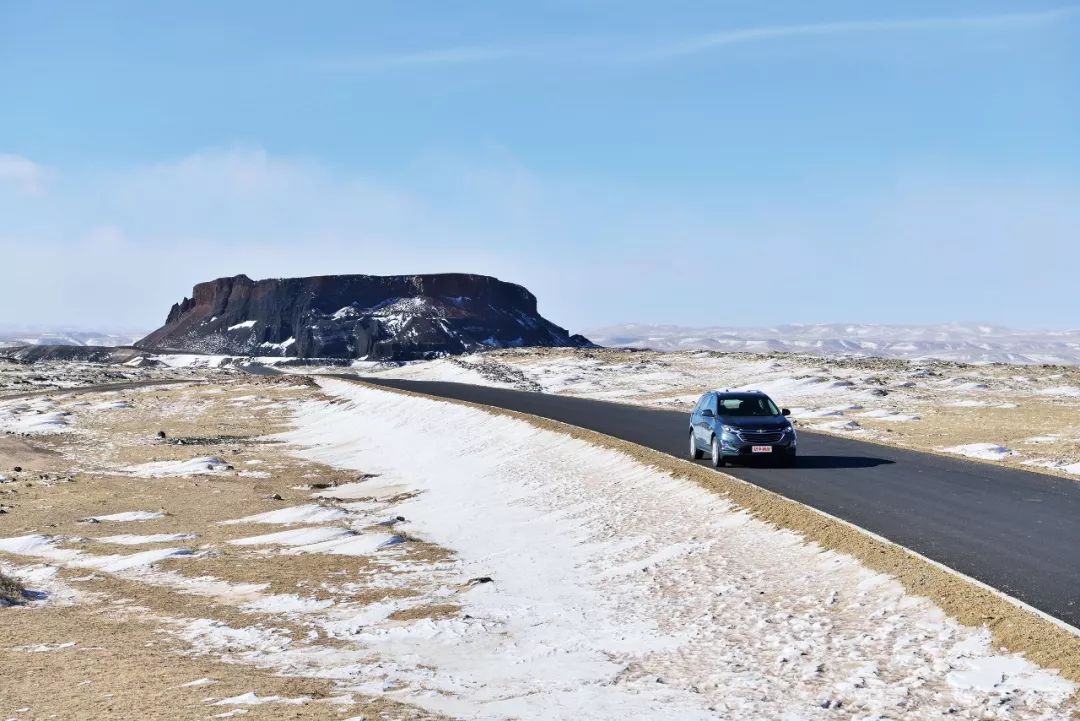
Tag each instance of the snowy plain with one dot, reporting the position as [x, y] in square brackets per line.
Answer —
[969, 343]
[622, 592]
[616, 591]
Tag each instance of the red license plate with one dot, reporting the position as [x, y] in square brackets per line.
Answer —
[761, 449]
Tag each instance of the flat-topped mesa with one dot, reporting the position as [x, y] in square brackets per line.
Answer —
[393, 317]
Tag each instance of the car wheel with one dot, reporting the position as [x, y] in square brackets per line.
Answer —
[695, 452]
[717, 456]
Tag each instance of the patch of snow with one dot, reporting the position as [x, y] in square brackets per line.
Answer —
[1061, 391]
[280, 346]
[360, 544]
[114, 564]
[967, 386]
[113, 405]
[46, 647]
[1056, 464]
[245, 324]
[295, 537]
[310, 513]
[130, 516]
[984, 451]
[887, 415]
[192, 360]
[191, 467]
[208, 636]
[44, 547]
[34, 417]
[838, 426]
[287, 603]
[819, 413]
[252, 699]
[127, 539]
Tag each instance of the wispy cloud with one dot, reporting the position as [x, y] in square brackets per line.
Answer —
[615, 49]
[711, 41]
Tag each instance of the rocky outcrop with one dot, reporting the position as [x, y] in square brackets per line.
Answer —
[397, 317]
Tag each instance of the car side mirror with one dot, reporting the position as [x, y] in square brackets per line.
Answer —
[707, 413]
[785, 411]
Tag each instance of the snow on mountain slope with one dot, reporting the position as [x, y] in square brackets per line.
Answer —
[958, 342]
[107, 339]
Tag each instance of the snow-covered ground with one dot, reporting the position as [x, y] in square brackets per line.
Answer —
[559, 580]
[620, 592]
[45, 375]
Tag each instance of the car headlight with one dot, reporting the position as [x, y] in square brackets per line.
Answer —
[733, 430]
[790, 429]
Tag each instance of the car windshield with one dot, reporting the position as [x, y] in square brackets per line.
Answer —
[747, 405]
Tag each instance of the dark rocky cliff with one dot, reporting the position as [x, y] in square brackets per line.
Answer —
[395, 317]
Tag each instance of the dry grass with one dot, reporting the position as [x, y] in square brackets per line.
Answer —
[11, 591]
[442, 610]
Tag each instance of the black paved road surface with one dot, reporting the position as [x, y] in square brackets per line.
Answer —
[100, 388]
[1014, 530]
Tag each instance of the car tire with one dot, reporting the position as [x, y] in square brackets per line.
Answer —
[717, 457]
[695, 452]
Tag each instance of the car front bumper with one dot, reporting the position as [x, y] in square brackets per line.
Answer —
[734, 446]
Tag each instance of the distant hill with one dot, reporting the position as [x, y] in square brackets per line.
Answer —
[969, 343]
[81, 338]
[398, 317]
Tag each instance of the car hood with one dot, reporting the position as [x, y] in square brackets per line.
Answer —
[755, 422]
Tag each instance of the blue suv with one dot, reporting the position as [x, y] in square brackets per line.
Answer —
[730, 424]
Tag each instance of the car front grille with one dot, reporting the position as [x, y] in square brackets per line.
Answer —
[761, 437]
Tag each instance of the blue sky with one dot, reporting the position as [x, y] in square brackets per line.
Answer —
[679, 162]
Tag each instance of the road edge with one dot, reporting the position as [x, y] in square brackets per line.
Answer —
[1044, 640]
[100, 388]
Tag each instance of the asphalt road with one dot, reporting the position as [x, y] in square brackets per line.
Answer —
[100, 388]
[1014, 530]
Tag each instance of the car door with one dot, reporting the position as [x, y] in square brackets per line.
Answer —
[702, 425]
[695, 418]
[708, 422]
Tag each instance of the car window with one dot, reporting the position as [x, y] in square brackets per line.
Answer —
[712, 403]
[748, 405]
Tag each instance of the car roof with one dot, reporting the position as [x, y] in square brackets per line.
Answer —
[738, 393]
